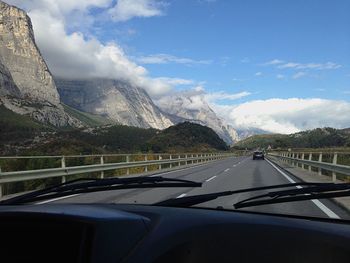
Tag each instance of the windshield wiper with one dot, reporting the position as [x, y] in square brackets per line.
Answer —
[197, 199]
[328, 190]
[87, 185]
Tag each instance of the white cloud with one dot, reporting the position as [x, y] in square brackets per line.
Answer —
[273, 62]
[316, 66]
[176, 81]
[197, 98]
[258, 73]
[297, 66]
[166, 58]
[286, 115]
[299, 75]
[280, 76]
[78, 55]
[213, 97]
[128, 9]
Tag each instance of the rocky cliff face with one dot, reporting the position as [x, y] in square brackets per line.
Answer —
[19, 53]
[7, 85]
[195, 109]
[26, 84]
[119, 101]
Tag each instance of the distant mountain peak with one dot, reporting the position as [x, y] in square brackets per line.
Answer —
[193, 107]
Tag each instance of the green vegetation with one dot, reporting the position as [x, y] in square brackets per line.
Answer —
[186, 137]
[14, 126]
[87, 118]
[317, 138]
[23, 136]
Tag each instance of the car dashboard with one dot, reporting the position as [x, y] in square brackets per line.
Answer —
[140, 233]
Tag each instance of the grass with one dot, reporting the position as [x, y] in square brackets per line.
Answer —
[9, 119]
[87, 118]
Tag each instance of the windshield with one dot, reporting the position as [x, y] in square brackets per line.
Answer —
[204, 96]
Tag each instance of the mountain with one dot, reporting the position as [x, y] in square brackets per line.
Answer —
[186, 136]
[317, 138]
[26, 84]
[248, 132]
[116, 100]
[193, 107]
[21, 135]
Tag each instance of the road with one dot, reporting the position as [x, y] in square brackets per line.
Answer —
[228, 174]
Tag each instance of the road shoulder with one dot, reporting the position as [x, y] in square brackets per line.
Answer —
[306, 176]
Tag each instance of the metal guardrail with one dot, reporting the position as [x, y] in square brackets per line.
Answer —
[181, 160]
[299, 157]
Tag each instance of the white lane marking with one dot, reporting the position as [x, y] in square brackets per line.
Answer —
[228, 169]
[64, 197]
[55, 199]
[320, 205]
[211, 178]
[177, 170]
[234, 165]
[181, 195]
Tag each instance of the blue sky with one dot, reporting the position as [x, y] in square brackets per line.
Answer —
[235, 40]
[278, 65]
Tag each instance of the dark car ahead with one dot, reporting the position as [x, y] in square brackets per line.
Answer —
[258, 155]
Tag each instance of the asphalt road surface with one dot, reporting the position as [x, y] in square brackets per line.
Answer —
[228, 174]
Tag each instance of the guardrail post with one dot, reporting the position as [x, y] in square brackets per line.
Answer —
[179, 157]
[102, 175]
[186, 159]
[1, 190]
[302, 157]
[310, 159]
[146, 167]
[63, 165]
[192, 158]
[335, 160]
[127, 160]
[320, 160]
[171, 165]
[159, 166]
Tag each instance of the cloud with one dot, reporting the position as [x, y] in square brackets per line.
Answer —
[166, 59]
[281, 64]
[125, 9]
[316, 66]
[213, 97]
[280, 76]
[198, 98]
[177, 81]
[286, 115]
[299, 75]
[258, 73]
[74, 54]
[273, 62]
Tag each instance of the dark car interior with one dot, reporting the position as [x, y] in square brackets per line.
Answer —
[141, 233]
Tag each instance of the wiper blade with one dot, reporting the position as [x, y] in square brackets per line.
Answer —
[87, 185]
[322, 191]
[197, 199]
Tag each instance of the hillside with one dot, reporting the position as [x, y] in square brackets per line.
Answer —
[88, 119]
[21, 135]
[186, 136]
[317, 138]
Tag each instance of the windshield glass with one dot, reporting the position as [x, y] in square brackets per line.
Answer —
[223, 95]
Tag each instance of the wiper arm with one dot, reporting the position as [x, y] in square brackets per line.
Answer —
[87, 185]
[197, 199]
[328, 190]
